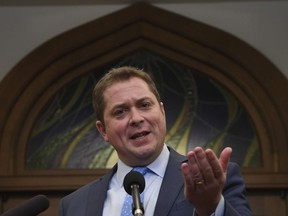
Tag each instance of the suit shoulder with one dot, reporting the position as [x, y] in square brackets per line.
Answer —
[83, 190]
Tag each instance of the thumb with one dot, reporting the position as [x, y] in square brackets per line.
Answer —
[225, 157]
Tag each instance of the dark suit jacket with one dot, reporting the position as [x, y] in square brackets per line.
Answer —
[89, 199]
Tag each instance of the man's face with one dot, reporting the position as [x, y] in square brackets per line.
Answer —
[134, 122]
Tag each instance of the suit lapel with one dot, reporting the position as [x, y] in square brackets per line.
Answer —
[99, 190]
[171, 185]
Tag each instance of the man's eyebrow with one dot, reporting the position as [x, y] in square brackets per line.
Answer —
[118, 105]
[144, 98]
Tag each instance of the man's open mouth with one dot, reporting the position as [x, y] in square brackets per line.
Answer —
[140, 135]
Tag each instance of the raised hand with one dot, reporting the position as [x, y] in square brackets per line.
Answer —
[204, 178]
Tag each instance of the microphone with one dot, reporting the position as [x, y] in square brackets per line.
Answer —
[31, 207]
[134, 184]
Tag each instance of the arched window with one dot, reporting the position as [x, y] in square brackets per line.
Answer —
[220, 86]
[200, 112]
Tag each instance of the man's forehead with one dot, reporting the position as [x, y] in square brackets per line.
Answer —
[127, 83]
[120, 92]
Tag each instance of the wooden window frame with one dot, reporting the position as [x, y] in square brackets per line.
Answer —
[252, 78]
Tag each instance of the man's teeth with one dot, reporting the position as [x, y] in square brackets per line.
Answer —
[139, 135]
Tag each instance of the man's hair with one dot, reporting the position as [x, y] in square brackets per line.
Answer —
[113, 76]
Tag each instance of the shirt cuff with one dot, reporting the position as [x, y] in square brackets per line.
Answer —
[219, 209]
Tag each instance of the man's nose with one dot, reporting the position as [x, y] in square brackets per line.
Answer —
[136, 117]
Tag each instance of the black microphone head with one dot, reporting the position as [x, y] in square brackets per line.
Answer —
[132, 178]
[31, 207]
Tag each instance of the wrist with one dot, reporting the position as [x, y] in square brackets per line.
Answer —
[218, 211]
[207, 210]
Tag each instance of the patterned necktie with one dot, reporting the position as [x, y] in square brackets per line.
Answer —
[127, 206]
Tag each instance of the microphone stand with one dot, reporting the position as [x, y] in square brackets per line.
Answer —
[137, 206]
[134, 184]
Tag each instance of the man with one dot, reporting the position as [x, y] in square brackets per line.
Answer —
[131, 117]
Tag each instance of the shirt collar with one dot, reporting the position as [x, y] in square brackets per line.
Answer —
[158, 166]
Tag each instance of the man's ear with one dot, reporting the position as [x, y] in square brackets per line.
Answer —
[162, 107]
[102, 130]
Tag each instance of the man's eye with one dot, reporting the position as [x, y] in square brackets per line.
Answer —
[146, 105]
[119, 112]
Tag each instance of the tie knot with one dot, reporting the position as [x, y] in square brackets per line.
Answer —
[142, 170]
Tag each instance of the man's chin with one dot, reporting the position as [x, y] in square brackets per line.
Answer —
[148, 155]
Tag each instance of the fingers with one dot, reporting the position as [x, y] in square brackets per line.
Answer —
[225, 157]
[191, 171]
[187, 177]
[204, 165]
[215, 170]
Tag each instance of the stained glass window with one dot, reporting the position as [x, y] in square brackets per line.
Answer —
[200, 112]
